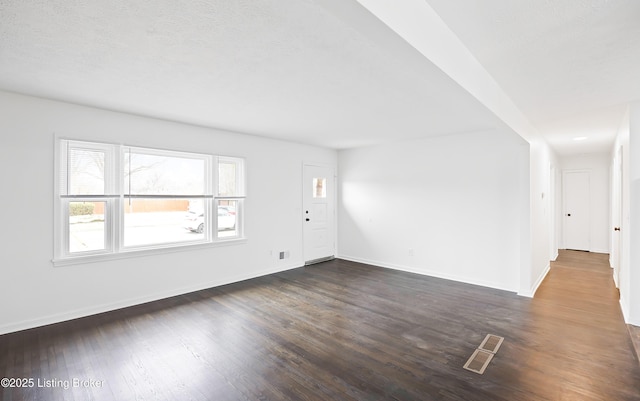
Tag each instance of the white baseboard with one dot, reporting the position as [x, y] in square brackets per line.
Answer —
[94, 310]
[625, 312]
[628, 319]
[599, 250]
[429, 273]
[532, 291]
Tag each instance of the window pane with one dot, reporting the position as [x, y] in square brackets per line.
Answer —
[227, 178]
[85, 172]
[227, 218]
[150, 174]
[161, 221]
[86, 226]
[319, 188]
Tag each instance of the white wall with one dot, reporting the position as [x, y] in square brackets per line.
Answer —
[555, 224]
[622, 259]
[598, 166]
[33, 292]
[633, 297]
[628, 139]
[448, 207]
[437, 43]
[542, 199]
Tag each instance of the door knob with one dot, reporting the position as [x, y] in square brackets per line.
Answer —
[616, 229]
[307, 219]
[569, 214]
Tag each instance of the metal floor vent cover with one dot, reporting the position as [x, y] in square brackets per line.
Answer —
[481, 357]
[491, 343]
[478, 361]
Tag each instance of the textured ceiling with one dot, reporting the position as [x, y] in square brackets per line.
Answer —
[281, 68]
[293, 69]
[571, 66]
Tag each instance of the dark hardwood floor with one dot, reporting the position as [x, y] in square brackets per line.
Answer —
[341, 331]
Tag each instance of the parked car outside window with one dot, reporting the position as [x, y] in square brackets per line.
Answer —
[194, 220]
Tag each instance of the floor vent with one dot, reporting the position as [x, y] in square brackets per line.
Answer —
[491, 343]
[481, 357]
[478, 361]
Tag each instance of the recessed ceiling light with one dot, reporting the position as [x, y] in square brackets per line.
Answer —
[580, 138]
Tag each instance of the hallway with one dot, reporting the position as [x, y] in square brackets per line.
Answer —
[581, 330]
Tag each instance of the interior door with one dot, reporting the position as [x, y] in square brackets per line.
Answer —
[616, 217]
[576, 217]
[318, 213]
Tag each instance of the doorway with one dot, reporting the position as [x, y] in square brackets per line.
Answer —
[318, 214]
[576, 210]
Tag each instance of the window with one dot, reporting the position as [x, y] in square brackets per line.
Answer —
[319, 187]
[229, 195]
[114, 199]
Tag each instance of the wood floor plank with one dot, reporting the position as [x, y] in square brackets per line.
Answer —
[344, 331]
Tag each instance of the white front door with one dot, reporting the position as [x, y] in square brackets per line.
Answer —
[576, 210]
[318, 214]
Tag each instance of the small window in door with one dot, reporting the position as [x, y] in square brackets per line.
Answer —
[319, 187]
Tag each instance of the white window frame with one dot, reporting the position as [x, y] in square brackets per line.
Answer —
[115, 196]
[238, 196]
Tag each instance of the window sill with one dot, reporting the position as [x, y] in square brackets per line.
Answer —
[77, 260]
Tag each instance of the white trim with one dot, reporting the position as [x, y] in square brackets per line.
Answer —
[625, 312]
[84, 312]
[429, 273]
[531, 292]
